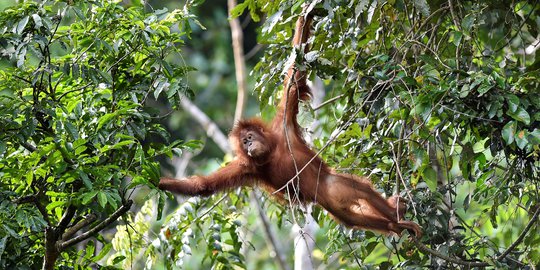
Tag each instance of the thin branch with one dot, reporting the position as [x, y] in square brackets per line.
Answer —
[239, 62]
[211, 128]
[397, 163]
[34, 199]
[268, 231]
[211, 207]
[253, 51]
[470, 264]
[519, 28]
[22, 79]
[28, 146]
[112, 218]
[521, 236]
[432, 51]
[316, 108]
[447, 258]
[454, 18]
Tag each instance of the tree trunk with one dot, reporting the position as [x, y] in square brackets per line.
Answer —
[51, 250]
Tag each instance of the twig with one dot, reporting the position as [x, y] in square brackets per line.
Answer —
[521, 236]
[447, 258]
[211, 207]
[471, 264]
[432, 51]
[400, 176]
[211, 128]
[328, 102]
[518, 29]
[454, 18]
[253, 51]
[66, 218]
[112, 218]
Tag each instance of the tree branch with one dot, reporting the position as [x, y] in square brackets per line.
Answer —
[122, 210]
[255, 199]
[211, 128]
[447, 258]
[89, 219]
[239, 62]
[521, 236]
[66, 218]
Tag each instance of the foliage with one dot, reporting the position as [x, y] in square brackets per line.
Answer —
[437, 100]
[76, 134]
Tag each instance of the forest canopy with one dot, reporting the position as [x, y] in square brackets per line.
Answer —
[437, 101]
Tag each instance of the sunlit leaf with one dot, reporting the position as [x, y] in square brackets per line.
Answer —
[520, 115]
[508, 132]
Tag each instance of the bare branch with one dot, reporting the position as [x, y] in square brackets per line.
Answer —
[331, 100]
[270, 236]
[239, 62]
[211, 128]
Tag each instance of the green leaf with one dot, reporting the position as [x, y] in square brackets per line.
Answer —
[112, 200]
[521, 139]
[90, 248]
[29, 177]
[520, 115]
[79, 13]
[423, 6]
[468, 22]
[467, 202]
[479, 146]
[21, 25]
[513, 102]
[102, 199]
[3, 245]
[87, 197]
[508, 132]
[72, 130]
[485, 87]
[465, 90]
[534, 137]
[55, 204]
[104, 251]
[118, 259]
[105, 119]
[239, 9]
[85, 179]
[106, 76]
[37, 20]
[161, 205]
[118, 145]
[456, 38]
[430, 177]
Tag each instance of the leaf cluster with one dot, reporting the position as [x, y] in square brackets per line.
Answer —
[77, 128]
